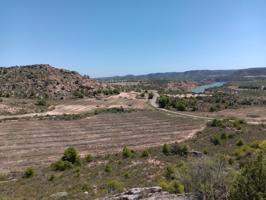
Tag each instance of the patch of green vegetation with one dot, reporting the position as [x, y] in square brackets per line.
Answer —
[128, 153]
[150, 95]
[114, 186]
[41, 102]
[250, 183]
[29, 172]
[166, 149]
[145, 153]
[210, 103]
[70, 159]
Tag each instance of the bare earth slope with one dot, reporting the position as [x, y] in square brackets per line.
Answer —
[42, 81]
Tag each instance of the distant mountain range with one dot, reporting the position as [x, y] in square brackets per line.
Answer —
[198, 75]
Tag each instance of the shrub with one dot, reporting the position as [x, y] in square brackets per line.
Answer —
[127, 153]
[218, 123]
[230, 161]
[88, 158]
[114, 186]
[240, 143]
[150, 95]
[170, 172]
[180, 106]
[77, 171]
[250, 183]
[51, 177]
[41, 102]
[78, 94]
[172, 187]
[145, 153]
[212, 109]
[223, 136]
[116, 91]
[166, 149]
[126, 175]
[71, 155]
[177, 187]
[215, 140]
[108, 168]
[61, 165]
[29, 172]
[180, 149]
[164, 185]
[243, 151]
[163, 101]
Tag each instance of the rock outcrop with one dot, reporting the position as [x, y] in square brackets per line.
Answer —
[149, 193]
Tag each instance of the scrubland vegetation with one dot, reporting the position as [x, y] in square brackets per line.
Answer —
[227, 169]
[213, 102]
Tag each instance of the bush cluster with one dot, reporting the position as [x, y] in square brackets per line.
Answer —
[128, 153]
[175, 149]
[70, 158]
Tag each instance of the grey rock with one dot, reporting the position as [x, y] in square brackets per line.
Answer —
[149, 193]
[59, 195]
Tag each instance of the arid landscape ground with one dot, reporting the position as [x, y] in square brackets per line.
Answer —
[127, 134]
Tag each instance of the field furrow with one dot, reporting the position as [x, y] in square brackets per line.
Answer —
[35, 142]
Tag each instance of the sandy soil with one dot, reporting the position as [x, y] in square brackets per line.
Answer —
[75, 106]
[126, 100]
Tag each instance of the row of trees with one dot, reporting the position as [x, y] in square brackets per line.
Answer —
[212, 103]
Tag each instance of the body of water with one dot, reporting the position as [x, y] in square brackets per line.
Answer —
[203, 88]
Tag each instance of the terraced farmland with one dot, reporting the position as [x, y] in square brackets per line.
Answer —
[33, 142]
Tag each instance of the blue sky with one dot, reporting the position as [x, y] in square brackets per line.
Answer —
[117, 37]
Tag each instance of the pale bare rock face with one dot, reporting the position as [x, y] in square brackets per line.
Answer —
[149, 193]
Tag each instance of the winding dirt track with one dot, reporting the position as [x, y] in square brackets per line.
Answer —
[35, 142]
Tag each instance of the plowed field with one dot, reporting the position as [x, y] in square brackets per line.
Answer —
[26, 143]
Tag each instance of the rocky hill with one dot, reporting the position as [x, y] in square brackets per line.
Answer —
[43, 81]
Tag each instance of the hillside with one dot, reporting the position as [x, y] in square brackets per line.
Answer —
[43, 81]
[194, 75]
[197, 75]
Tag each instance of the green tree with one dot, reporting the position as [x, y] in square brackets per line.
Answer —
[71, 155]
[180, 106]
[163, 101]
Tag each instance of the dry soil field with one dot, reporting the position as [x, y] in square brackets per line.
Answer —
[26, 143]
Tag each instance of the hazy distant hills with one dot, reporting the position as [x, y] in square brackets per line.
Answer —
[198, 75]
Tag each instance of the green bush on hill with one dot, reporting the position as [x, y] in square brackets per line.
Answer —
[70, 159]
[29, 172]
[250, 183]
